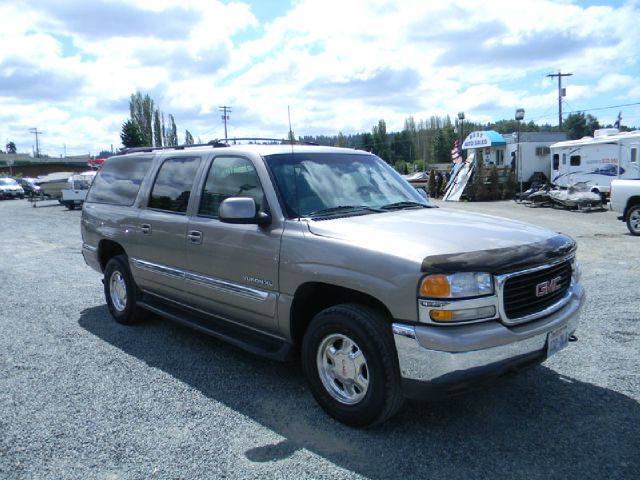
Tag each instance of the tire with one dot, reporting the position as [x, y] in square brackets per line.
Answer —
[633, 220]
[366, 389]
[121, 292]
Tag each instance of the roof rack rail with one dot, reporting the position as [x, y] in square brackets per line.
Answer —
[212, 143]
[262, 139]
[217, 143]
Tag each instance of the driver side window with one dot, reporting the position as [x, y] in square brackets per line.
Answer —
[230, 177]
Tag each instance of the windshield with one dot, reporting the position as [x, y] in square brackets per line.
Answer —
[8, 181]
[321, 184]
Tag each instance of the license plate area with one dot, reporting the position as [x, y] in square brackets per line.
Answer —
[557, 340]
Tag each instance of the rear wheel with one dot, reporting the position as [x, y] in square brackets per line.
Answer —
[633, 220]
[351, 364]
[121, 292]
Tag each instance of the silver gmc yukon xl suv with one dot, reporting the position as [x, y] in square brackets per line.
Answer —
[328, 253]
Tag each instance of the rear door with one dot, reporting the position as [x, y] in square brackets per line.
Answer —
[160, 260]
[233, 269]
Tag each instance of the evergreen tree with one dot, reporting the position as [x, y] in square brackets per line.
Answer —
[131, 135]
[172, 136]
[11, 148]
[157, 129]
[188, 138]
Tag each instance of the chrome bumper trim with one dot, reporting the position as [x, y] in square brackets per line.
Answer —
[428, 353]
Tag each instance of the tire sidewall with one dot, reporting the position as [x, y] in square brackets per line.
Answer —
[119, 264]
[368, 409]
[633, 210]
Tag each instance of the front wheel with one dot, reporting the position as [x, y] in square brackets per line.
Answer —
[633, 220]
[121, 292]
[351, 364]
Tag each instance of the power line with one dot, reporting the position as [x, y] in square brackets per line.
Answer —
[605, 108]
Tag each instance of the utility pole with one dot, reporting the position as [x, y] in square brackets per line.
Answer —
[561, 93]
[224, 109]
[36, 132]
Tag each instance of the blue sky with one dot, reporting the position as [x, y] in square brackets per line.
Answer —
[68, 67]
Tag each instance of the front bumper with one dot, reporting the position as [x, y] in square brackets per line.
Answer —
[438, 360]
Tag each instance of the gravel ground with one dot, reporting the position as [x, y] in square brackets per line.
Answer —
[82, 397]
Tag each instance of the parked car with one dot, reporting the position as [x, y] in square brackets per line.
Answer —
[29, 186]
[9, 188]
[625, 200]
[329, 253]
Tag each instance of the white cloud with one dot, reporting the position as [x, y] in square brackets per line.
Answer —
[339, 65]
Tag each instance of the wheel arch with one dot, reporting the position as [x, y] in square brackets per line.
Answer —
[107, 249]
[631, 202]
[313, 297]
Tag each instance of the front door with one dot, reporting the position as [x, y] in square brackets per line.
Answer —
[233, 269]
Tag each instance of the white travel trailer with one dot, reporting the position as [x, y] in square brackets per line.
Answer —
[596, 160]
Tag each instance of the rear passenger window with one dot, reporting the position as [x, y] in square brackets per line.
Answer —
[230, 177]
[118, 182]
[574, 160]
[172, 188]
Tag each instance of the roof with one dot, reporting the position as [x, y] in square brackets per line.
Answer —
[481, 139]
[633, 136]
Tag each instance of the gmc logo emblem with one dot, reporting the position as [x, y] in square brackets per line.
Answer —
[550, 286]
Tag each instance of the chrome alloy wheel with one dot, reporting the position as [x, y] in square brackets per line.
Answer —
[118, 291]
[342, 368]
[634, 221]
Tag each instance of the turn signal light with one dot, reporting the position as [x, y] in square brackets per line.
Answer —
[441, 315]
[435, 286]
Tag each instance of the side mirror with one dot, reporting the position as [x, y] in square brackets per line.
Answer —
[240, 210]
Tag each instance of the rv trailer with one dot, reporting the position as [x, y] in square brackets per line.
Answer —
[596, 160]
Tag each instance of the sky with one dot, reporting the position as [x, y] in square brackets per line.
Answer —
[69, 67]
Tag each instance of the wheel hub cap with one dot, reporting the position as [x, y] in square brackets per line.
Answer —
[118, 291]
[343, 369]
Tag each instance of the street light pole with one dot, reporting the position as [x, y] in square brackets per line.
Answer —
[519, 117]
[461, 118]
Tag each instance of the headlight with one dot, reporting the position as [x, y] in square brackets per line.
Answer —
[576, 271]
[457, 285]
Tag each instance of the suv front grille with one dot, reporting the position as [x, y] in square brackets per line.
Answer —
[533, 292]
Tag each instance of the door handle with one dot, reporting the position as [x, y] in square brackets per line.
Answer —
[195, 237]
[145, 228]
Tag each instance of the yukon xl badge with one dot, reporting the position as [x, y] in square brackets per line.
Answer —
[258, 281]
[549, 286]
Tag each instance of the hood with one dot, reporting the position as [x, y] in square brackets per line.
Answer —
[444, 240]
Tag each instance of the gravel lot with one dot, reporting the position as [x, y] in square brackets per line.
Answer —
[82, 397]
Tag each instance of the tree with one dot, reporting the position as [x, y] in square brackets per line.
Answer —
[188, 138]
[381, 141]
[578, 125]
[342, 142]
[11, 147]
[367, 142]
[172, 134]
[131, 135]
[157, 129]
[141, 111]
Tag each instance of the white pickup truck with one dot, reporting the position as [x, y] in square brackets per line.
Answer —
[625, 199]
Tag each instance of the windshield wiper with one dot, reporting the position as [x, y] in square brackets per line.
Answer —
[344, 209]
[401, 205]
